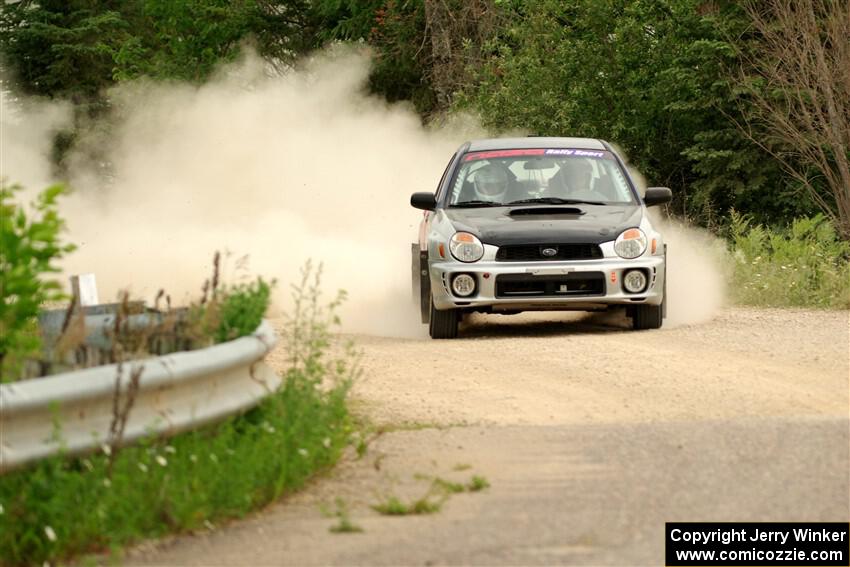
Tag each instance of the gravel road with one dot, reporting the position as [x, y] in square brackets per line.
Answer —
[591, 437]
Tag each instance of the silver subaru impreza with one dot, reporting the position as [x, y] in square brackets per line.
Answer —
[537, 224]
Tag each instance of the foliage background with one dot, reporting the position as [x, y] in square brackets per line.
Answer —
[679, 85]
[658, 77]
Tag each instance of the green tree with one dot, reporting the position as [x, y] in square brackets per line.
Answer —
[188, 40]
[28, 249]
[651, 76]
[62, 49]
[798, 89]
[77, 49]
[396, 32]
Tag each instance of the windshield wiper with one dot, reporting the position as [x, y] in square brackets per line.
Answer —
[555, 201]
[475, 203]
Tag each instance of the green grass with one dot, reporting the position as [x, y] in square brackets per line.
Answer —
[344, 524]
[803, 265]
[448, 486]
[432, 501]
[63, 507]
[393, 506]
[477, 484]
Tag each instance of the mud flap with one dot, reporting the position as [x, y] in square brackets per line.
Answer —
[664, 289]
[414, 272]
[424, 287]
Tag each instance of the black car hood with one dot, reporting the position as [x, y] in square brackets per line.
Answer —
[537, 224]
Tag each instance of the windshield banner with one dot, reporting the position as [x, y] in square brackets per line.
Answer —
[473, 156]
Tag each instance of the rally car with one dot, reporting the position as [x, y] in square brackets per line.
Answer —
[522, 224]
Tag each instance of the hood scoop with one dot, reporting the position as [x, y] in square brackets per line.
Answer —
[546, 211]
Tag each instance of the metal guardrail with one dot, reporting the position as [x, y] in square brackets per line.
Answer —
[72, 412]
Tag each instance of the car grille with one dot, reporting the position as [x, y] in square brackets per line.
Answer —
[569, 285]
[534, 252]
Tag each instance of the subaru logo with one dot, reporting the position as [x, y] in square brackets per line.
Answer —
[549, 252]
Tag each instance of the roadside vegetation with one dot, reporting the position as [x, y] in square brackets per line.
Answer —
[344, 523]
[62, 507]
[431, 502]
[30, 246]
[803, 265]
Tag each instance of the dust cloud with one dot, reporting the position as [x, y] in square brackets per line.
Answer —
[696, 289]
[696, 267]
[285, 169]
[27, 129]
[281, 168]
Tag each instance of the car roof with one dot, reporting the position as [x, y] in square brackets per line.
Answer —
[535, 142]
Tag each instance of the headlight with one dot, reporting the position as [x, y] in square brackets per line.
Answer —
[466, 247]
[631, 243]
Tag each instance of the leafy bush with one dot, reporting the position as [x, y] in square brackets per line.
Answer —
[241, 310]
[804, 265]
[29, 248]
[63, 507]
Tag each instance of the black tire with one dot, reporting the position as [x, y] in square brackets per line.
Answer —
[647, 317]
[443, 324]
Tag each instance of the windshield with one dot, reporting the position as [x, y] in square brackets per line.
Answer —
[551, 176]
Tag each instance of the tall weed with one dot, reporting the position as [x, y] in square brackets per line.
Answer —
[804, 265]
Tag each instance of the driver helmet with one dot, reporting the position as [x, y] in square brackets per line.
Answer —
[491, 183]
[577, 175]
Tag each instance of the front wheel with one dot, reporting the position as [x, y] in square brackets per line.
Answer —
[443, 324]
[647, 317]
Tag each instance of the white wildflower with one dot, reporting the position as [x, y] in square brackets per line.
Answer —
[326, 442]
[170, 449]
[107, 450]
[88, 465]
[193, 458]
[143, 467]
[161, 460]
[107, 483]
[1, 510]
[48, 531]
[303, 452]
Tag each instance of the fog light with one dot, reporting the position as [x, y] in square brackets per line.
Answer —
[463, 285]
[634, 281]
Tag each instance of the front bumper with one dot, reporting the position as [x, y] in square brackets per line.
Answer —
[547, 286]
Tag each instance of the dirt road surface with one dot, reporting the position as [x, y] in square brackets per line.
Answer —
[590, 436]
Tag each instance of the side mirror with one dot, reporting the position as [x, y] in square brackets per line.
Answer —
[657, 196]
[424, 201]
